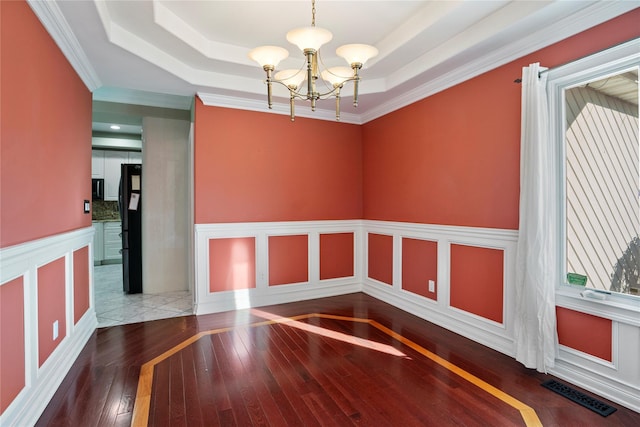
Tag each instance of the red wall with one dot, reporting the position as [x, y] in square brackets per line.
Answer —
[51, 307]
[45, 171]
[453, 158]
[45, 138]
[336, 255]
[252, 166]
[12, 336]
[288, 259]
[81, 285]
[232, 264]
[380, 258]
[419, 265]
[585, 332]
[477, 281]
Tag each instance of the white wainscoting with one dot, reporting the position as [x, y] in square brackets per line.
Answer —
[498, 336]
[41, 382]
[263, 294]
[619, 379]
[490, 333]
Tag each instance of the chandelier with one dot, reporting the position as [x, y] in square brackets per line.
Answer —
[309, 40]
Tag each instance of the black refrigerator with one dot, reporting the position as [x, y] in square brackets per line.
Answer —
[130, 205]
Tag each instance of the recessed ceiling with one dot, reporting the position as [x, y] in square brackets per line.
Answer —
[183, 48]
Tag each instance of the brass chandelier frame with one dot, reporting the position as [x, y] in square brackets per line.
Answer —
[312, 94]
[312, 59]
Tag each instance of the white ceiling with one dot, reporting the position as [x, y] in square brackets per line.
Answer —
[157, 52]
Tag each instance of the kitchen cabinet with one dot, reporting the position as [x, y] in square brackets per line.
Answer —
[97, 164]
[107, 242]
[112, 162]
[98, 243]
[112, 243]
[106, 164]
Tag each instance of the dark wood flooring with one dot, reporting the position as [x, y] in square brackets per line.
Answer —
[324, 371]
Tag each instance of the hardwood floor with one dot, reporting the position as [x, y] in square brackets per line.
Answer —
[260, 367]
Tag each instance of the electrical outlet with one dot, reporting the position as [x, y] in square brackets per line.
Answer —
[432, 286]
[55, 330]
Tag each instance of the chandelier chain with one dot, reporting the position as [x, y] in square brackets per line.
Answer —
[313, 13]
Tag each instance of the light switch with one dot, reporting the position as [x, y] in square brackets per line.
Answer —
[432, 286]
[87, 206]
[55, 329]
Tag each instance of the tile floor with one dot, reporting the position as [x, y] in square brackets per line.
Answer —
[114, 307]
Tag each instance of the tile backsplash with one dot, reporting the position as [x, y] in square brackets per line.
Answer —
[105, 210]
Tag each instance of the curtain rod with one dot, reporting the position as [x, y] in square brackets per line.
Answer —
[519, 80]
[539, 73]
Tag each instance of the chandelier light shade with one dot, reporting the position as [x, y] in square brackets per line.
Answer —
[309, 40]
[268, 55]
[356, 53]
[309, 37]
[337, 75]
[291, 78]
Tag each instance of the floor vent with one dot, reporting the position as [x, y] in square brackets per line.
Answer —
[580, 398]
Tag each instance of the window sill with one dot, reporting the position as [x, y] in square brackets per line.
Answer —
[625, 309]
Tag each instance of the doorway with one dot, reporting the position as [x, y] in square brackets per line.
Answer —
[163, 295]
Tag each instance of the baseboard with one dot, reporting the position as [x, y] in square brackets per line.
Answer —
[33, 399]
[492, 337]
[613, 390]
[281, 294]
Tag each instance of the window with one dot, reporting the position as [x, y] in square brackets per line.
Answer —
[602, 188]
[594, 114]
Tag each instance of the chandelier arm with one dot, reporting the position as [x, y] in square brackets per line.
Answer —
[292, 90]
[321, 62]
[295, 94]
[292, 104]
[337, 89]
[356, 79]
[310, 81]
[269, 70]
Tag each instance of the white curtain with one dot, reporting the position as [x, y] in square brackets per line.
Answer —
[535, 336]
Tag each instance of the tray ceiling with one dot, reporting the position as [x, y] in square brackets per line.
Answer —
[155, 52]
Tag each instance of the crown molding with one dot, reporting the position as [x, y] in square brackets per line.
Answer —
[49, 13]
[58, 28]
[580, 21]
[213, 100]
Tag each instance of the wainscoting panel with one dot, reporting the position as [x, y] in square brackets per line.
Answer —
[438, 309]
[617, 379]
[495, 334]
[22, 262]
[262, 233]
